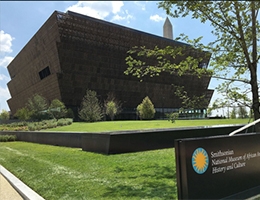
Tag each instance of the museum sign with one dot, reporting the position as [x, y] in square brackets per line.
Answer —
[218, 167]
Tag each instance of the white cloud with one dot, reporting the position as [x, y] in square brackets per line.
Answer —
[4, 95]
[5, 42]
[97, 9]
[116, 6]
[117, 18]
[126, 16]
[140, 4]
[4, 62]
[4, 77]
[156, 18]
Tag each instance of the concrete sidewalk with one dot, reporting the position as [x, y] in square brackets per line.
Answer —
[7, 192]
[12, 188]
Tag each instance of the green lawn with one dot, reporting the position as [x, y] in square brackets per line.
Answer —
[70, 173]
[138, 124]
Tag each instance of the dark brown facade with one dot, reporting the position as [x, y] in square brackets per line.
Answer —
[72, 52]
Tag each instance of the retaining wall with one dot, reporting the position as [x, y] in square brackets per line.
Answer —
[121, 141]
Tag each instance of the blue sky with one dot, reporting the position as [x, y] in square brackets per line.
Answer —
[20, 20]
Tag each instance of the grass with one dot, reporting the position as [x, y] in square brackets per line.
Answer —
[69, 173]
[138, 125]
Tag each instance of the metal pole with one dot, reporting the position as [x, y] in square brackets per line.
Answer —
[245, 127]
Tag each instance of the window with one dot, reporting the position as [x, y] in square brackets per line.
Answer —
[44, 73]
[203, 65]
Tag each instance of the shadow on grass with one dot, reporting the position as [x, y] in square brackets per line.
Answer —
[155, 182]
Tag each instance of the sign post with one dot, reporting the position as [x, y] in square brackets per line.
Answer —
[218, 167]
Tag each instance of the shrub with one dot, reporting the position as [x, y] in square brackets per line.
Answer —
[112, 106]
[23, 114]
[57, 109]
[146, 110]
[90, 109]
[31, 127]
[172, 116]
[70, 113]
[4, 115]
[7, 138]
[111, 109]
[64, 122]
[38, 107]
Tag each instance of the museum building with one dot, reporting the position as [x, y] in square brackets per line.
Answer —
[72, 52]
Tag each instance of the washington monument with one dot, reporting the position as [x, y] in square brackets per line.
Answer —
[167, 29]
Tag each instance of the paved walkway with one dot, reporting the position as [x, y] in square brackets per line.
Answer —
[7, 192]
[12, 188]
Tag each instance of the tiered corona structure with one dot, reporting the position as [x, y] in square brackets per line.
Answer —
[72, 52]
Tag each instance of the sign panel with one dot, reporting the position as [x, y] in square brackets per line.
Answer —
[217, 167]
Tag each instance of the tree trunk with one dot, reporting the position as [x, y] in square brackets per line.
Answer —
[253, 69]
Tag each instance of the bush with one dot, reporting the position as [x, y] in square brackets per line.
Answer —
[58, 109]
[70, 113]
[34, 126]
[7, 138]
[90, 108]
[23, 114]
[64, 122]
[146, 110]
[38, 107]
[4, 115]
[172, 116]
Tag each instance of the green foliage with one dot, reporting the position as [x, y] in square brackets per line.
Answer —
[234, 51]
[4, 115]
[235, 54]
[48, 124]
[38, 107]
[242, 112]
[190, 101]
[33, 126]
[7, 138]
[23, 114]
[143, 61]
[57, 109]
[64, 122]
[70, 113]
[233, 114]
[90, 109]
[111, 109]
[146, 110]
[112, 106]
[172, 116]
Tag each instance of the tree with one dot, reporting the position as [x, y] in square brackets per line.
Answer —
[57, 109]
[90, 108]
[23, 114]
[234, 51]
[112, 106]
[242, 112]
[146, 110]
[233, 114]
[38, 107]
[4, 115]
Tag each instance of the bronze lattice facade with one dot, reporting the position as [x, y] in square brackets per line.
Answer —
[72, 52]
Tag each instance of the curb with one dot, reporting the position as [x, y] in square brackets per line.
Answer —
[26, 192]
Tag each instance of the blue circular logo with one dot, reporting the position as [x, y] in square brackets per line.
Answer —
[200, 160]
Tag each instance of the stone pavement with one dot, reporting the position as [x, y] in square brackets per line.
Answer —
[12, 188]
